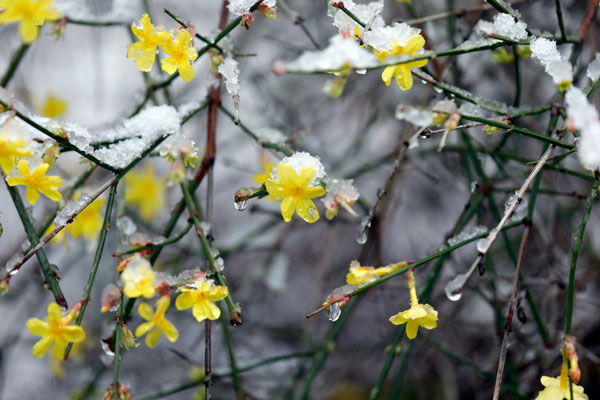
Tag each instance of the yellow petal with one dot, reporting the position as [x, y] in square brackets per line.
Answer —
[414, 43]
[169, 65]
[397, 319]
[217, 293]
[170, 331]
[40, 171]
[54, 313]
[205, 310]
[153, 337]
[14, 181]
[28, 30]
[288, 205]
[37, 327]
[32, 195]
[143, 328]
[23, 168]
[387, 74]
[412, 327]
[41, 347]
[184, 301]
[58, 351]
[307, 173]
[73, 334]
[404, 77]
[146, 311]
[186, 71]
[307, 210]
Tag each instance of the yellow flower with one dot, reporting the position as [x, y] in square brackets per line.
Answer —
[181, 54]
[32, 14]
[402, 71]
[138, 278]
[59, 237]
[89, 222]
[11, 150]
[54, 329]
[294, 192]
[262, 177]
[157, 322]
[146, 191]
[558, 388]
[37, 181]
[359, 275]
[417, 315]
[53, 107]
[144, 52]
[201, 297]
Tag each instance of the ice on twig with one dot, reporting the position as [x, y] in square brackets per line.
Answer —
[503, 25]
[242, 7]
[593, 70]
[364, 12]
[545, 52]
[415, 116]
[339, 53]
[230, 72]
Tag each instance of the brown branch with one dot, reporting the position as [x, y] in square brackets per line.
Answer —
[590, 16]
[458, 13]
[511, 309]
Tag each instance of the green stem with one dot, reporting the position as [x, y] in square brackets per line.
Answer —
[154, 246]
[117, 349]
[235, 314]
[202, 38]
[13, 65]
[237, 383]
[517, 99]
[577, 243]
[85, 299]
[49, 275]
[561, 24]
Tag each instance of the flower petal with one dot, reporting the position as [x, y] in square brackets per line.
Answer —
[73, 333]
[146, 311]
[186, 71]
[143, 328]
[398, 319]
[387, 74]
[37, 327]
[58, 351]
[185, 300]
[170, 331]
[153, 337]
[28, 30]
[288, 205]
[41, 347]
[307, 210]
[412, 327]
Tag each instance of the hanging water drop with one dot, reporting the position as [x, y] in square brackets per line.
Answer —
[240, 205]
[452, 296]
[333, 312]
[106, 349]
[482, 245]
[361, 237]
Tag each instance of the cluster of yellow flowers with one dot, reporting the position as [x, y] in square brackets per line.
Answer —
[31, 13]
[139, 281]
[178, 47]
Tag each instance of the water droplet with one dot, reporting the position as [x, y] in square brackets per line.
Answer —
[106, 349]
[220, 264]
[438, 90]
[482, 245]
[240, 205]
[11, 263]
[454, 288]
[453, 296]
[333, 312]
[361, 237]
[381, 192]
[312, 212]
[425, 133]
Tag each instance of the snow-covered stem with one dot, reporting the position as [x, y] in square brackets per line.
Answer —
[87, 290]
[159, 245]
[509, 316]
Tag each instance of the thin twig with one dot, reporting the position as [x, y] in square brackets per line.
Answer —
[509, 317]
[458, 13]
[298, 19]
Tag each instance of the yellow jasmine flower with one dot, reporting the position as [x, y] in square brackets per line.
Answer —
[10, 150]
[262, 177]
[59, 237]
[293, 190]
[181, 54]
[359, 275]
[146, 191]
[37, 181]
[144, 52]
[402, 71]
[201, 297]
[417, 315]
[32, 14]
[558, 388]
[54, 329]
[53, 107]
[89, 222]
[138, 278]
[157, 322]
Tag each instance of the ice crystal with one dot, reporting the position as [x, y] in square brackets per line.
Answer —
[301, 159]
[381, 38]
[230, 72]
[503, 25]
[242, 7]
[415, 116]
[584, 117]
[593, 70]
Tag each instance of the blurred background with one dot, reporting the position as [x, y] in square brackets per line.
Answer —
[279, 271]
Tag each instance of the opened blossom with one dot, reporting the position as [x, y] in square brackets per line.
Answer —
[36, 181]
[55, 329]
[11, 149]
[359, 275]
[201, 297]
[156, 323]
[558, 388]
[181, 55]
[31, 14]
[293, 190]
[401, 72]
[138, 277]
[144, 51]
[417, 315]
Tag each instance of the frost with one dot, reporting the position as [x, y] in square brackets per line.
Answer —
[381, 38]
[544, 51]
[503, 25]
[241, 7]
[339, 52]
[593, 70]
[475, 41]
[230, 72]
[364, 12]
[340, 191]
[69, 209]
[584, 117]
[270, 135]
[126, 225]
[134, 135]
[466, 235]
[119, 10]
[178, 145]
[445, 106]
[467, 108]
[415, 116]
[301, 159]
